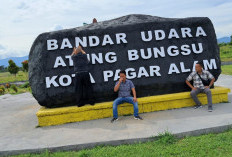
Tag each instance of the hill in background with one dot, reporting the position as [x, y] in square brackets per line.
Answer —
[223, 40]
[18, 61]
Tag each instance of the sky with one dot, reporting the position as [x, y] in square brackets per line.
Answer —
[23, 20]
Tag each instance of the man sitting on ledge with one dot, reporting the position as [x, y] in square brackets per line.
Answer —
[124, 88]
[200, 77]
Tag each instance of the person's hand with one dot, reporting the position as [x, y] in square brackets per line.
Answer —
[135, 99]
[74, 50]
[120, 80]
[79, 47]
[206, 87]
[194, 88]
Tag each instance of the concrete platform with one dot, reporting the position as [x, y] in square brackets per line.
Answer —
[19, 134]
[64, 115]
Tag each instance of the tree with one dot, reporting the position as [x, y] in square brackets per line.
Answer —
[25, 65]
[2, 68]
[13, 68]
[230, 40]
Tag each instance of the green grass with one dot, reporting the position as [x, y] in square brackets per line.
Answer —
[212, 145]
[6, 77]
[226, 52]
[226, 69]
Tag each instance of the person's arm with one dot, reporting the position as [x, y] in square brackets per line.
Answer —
[190, 85]
[116, 88]
[134, 94]
[211, 82]
[210, 76]
[189, 78]
[82, 51]
[74, 50]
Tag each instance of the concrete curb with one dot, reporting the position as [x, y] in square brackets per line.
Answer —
[226, 63]
[17, 83]
[78, 147]
[62, 115]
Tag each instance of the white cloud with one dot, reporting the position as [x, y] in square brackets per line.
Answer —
[56, 27]
[24, 20]
[7, 52]
[2, 47]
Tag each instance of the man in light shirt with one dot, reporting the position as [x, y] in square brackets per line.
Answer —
[199, 77]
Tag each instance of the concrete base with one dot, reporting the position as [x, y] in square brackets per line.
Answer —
[56, 116]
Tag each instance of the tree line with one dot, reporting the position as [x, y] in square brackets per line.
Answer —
[224, 44]
[13, 68]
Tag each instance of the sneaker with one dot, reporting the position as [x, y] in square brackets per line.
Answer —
[197, 106]
[210, 108]
[114, 119]
[138, 118]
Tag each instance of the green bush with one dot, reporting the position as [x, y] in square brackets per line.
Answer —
[25, 85]
[2, 89]
[13, 86]
[25, 65]
[13, 68]
[166, 138]
[1, 92]
[8, 86]
[222, 44]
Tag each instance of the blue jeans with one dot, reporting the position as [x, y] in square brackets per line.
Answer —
[121, 100]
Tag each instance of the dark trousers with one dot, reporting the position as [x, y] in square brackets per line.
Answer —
[207, 91]
[83, 89]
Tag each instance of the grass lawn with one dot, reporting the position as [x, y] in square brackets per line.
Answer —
[6, 77]
[212, 145]
[226, 69]
[226, 53]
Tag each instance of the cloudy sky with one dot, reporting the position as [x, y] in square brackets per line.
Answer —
[23, 20]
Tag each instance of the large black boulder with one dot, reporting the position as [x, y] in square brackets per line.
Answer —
[157, 64]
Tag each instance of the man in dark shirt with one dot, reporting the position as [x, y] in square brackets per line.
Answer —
[83, 86]
[124, 88]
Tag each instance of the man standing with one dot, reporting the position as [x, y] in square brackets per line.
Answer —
[83, 86]
[124, 88]
[199, 77]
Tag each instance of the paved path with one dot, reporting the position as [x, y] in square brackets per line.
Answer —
[18, 129]
[227, 63]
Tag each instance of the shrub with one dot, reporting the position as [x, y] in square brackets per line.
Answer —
[2, 89]
[25, 85]
[166, 138]
[7, 86]
[1, 92]
[25, 65]
[13, 86]
[13, 68]
[29, 88]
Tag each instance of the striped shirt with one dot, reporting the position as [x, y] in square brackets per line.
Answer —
[197, 83]
[125, 88]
